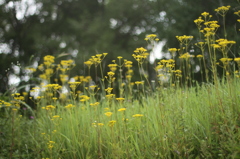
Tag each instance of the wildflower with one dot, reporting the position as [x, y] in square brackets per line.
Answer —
[69, 106]
[172, 50]
[104, 54]
[137, 115]
[222, 10]
[110, 74]
[237, 13]
[198, 22]
[94, 104]
[151, 38]
[109, 90]
[110, 96]
[184, 39]
[139, 82]
[121, 109]
[92, 87]
[120, 99]
[111, 123]
[73, 85]
[199, 56]
[186, 56]
[100, 124]
[84, 98]
[106, 109]
[119, 57]
[49, 107]
[88, 63]
[50, 144]
[108, 114]
[206, 16]
[113, 67]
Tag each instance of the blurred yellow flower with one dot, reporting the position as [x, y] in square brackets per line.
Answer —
[108, 114]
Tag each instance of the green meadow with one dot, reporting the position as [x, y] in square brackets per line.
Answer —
[174, 116]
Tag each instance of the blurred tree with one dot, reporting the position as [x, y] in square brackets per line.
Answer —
[83, 28]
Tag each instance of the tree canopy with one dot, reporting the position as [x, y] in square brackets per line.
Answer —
[81, 28]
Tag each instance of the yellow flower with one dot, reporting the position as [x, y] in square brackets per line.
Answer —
[100, 124]
[110, 96]
[109, 90]
[119, 57]
[106, 109]
[94, 104]
[222, 10]
[139, 82]
[172, 50]
[49, 107]
[69, 106]
[119, 99]
[110, 74]
[121, 109]
[111, 123]
[108, 114]
[137, 115]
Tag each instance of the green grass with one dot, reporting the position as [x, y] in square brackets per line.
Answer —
[198, 122]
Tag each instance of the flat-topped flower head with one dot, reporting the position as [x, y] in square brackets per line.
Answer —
[137, 115]
[108, 114]
[222, 10]
[121, 109]
[111, 123]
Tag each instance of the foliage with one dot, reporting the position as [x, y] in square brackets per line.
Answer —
[79, 29]
[111, 115]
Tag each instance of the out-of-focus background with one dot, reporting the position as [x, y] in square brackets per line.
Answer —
[31, 29]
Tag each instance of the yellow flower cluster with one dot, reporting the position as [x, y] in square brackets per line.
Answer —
[140, 55]
[237, 59]
[73, 85]
[84, 98]
[120, 99]
[70, 106]
[186, 56]
[97, 124]
[96, 60]
[225, 61]
[152, 38]
[237, 13]
[4, 104]
[48, 60]
[49, 107]
[222, 10]
[108, 114]
[121, 109]
[137, 115]
[198, 22]
[94, 104]
[224, 42]
[112, 67]
[112, 123]
[50, 144]
[184, 39]
[139, 82]
[66, 65]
